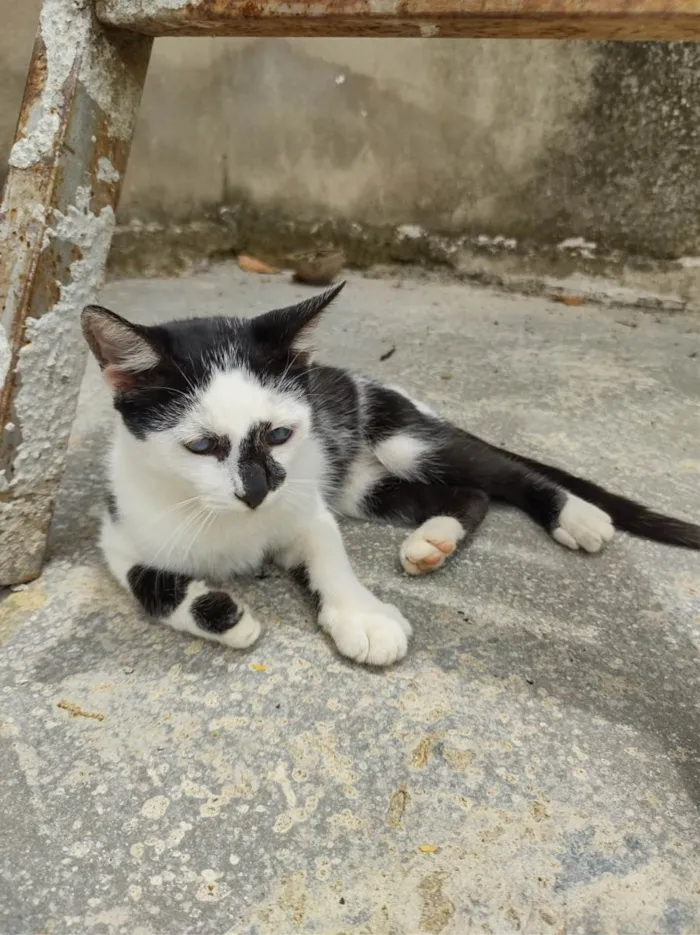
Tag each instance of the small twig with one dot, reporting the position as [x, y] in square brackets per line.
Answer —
[76, 711]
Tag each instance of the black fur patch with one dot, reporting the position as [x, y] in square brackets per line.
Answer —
[461, 460]
[259, 470]
[111, 501]
[413, 502]
[190, 350]
[389, 412]
[158, 592]
[337, 419]
[301, 575]
[216, 612]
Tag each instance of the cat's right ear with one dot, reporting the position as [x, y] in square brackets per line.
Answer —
[124, 351]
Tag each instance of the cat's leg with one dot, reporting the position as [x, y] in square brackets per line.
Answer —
[177, 600]
[447, 516]
[571, 521]
[362, 627]
[414, 445]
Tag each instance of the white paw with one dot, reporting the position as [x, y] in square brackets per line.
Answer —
[583, 525]
[369, 631]
[426, 549]
[243, 634]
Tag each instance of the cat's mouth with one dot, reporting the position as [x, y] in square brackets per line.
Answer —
[241, 503]
[251, 501]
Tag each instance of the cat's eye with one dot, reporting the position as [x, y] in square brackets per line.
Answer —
[279, 435]
[202, 446]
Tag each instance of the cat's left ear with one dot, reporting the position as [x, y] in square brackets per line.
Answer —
[291, 328]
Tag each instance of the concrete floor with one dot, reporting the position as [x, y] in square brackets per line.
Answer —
[534, 763]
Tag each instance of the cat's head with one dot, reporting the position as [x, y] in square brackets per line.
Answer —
[220, 403]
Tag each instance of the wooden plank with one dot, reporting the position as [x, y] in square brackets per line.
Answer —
[56, 222]
[522, 19]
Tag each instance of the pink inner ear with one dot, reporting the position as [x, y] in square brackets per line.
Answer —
[119, 381]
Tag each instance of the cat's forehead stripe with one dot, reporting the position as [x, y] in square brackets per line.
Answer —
[235, 401]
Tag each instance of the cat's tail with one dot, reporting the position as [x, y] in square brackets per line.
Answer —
[626, 514]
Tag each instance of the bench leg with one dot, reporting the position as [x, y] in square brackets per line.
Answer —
[56, 222]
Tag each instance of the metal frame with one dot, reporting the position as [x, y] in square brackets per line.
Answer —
[505, 19]
[65, 171]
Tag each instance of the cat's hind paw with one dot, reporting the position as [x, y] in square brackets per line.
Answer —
[427, 548]
[582, 525]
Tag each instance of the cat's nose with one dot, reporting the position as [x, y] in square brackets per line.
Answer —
[255, 486]
[252, 498]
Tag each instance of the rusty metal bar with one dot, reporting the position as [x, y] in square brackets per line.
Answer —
[56, 222]
[524, 19]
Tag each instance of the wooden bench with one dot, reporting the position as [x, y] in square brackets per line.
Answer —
[66, 167]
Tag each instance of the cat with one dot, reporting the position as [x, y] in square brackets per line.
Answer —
[232, 447]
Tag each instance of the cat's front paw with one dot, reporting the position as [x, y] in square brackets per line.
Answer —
[218, 617]
[370, 632]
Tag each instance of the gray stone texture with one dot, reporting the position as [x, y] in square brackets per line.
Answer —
[533, 764]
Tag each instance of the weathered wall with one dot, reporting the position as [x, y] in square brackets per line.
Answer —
[537, 140]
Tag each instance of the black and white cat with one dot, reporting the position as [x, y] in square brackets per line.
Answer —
[233, 448]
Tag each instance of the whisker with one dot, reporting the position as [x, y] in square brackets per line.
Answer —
[176, 534]
[173, 507]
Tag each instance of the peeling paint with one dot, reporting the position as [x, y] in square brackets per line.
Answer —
[5, 358]
[577, 243]
[107, 9]
[62, 26]
[384, 7]
[410, 232]
[66, 26]
[106, 171]
[56, 225]
[52, 361]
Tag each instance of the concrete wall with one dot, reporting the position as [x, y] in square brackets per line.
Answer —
[535, 140]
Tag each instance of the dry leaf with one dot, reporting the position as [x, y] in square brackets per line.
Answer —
[257, 667]
[252, 265]
[427, 848]
[568, 299]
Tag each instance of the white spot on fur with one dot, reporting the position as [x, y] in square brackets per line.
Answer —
[401, 454]
[583, 525]
[364, 473]
[426, 548]
[235, 400]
